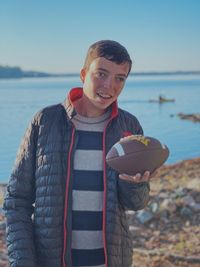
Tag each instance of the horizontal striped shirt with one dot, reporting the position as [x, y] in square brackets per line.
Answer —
[87, 194]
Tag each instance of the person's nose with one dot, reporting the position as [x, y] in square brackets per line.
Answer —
[108, 82]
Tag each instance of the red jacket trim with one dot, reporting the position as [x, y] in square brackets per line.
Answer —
[66, 198]
[77, 92]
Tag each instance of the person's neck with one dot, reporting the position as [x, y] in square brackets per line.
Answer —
[85, 109]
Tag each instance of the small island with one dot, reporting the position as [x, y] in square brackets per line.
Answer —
[195, 117]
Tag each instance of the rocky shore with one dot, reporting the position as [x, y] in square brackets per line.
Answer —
[195, 117]
[167, 232]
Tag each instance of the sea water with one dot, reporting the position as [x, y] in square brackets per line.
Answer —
[20, 99]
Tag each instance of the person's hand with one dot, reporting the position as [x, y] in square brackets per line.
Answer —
[138, 178]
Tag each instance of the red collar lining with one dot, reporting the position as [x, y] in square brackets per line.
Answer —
[77, 92]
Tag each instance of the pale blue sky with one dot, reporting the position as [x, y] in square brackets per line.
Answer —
[54, 35]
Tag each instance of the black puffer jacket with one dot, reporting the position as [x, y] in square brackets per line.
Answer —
[38, 201]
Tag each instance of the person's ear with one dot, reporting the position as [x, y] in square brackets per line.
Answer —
[82, 75]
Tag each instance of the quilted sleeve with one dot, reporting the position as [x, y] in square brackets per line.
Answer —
[19, 202]
[133, 196]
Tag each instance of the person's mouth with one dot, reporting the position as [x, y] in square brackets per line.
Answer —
[104, 96]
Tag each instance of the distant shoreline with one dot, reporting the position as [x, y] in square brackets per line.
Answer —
[7, 72]
[167, 73]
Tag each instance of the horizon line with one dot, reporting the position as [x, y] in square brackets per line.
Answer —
[18, 72]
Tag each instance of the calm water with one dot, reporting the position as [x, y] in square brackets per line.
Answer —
[21, 99]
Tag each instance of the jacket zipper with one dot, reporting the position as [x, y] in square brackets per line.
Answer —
[66, 198]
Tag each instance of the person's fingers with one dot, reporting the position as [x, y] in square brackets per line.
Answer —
[126, 137]
[125, 176]
[146, 176]
[138, 178]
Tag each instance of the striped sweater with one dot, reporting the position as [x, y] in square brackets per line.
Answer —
[87, 202]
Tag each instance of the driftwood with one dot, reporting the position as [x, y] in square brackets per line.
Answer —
[170, 256]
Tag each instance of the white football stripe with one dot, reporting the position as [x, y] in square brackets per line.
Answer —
[119, 149]
[163, 146]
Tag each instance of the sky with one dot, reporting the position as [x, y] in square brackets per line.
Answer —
[53, 36]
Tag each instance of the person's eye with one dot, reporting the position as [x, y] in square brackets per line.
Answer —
[100, 74]
[120, 79]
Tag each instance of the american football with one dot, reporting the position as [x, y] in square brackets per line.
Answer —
[137, 154]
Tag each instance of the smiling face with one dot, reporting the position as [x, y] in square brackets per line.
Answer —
[103, 81]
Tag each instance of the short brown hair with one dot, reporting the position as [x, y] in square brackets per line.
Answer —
[110, 50]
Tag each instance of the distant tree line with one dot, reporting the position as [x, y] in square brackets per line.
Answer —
[17, 72]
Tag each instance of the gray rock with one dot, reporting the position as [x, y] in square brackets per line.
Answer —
[186, 212]
[1, 211]
[2, 225]
[164, 214]
[190, 202]
[194, 184]
[163, 195]
[154, 207]
[180, 192]
[195, 207]
[168, 204]
[144, 216]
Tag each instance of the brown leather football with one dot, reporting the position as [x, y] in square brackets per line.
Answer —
[137, 154]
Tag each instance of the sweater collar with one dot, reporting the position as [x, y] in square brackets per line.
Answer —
[75, 94]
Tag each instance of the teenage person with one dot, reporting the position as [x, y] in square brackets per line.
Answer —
[64, 206]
